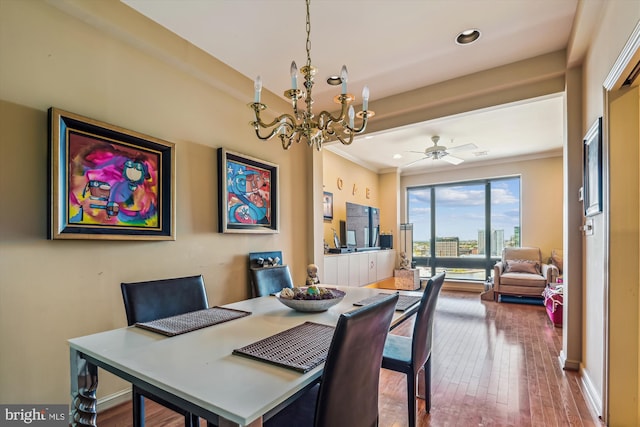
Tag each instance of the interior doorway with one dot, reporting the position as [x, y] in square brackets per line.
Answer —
[622, 324]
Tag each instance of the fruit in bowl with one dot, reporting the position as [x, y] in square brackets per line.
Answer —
[310, 298]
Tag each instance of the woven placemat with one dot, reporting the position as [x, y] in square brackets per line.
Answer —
[404, 301]
[187, 322]
[301, 348]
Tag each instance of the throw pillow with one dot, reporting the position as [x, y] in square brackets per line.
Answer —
[556, 259]
[522, 266]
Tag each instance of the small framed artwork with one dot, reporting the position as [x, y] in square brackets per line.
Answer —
[327, 206]
[106, 182]
[248, 194]
[592, 168]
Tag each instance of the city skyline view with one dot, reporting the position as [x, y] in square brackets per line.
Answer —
[460, 210]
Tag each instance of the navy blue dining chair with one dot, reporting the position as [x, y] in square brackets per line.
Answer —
[410, 354]
[157, 299]
[347, 394]
[269, 280]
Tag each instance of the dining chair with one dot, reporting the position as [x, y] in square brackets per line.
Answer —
[157, 299]
[269, 280]
[347, 394]
[409, 354]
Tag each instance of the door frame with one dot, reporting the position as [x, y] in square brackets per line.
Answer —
[613, 83]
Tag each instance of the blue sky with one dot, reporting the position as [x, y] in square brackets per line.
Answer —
[460, 209]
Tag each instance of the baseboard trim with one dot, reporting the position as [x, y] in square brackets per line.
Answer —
[115, 399]
[591, 393]
[566, 364]
[452, 285]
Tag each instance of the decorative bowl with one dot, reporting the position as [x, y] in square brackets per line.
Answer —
[312, 305]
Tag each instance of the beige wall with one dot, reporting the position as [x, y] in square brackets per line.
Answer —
[618, 21]
[359, 185]
[51, 291]
[541, 195]
[390, 204]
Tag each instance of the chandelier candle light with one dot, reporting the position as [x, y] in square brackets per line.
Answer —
[302, 124]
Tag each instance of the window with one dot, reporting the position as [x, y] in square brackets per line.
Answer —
[463, 227]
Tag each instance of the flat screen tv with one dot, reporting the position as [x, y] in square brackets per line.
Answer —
[361, 227]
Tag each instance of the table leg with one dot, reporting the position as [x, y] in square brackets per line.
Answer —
[84, 383]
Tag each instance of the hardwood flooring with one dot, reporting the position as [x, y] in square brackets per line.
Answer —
[494, 364]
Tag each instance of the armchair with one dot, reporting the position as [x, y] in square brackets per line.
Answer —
[521, 272]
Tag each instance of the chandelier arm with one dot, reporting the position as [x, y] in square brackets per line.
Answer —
[286, 141]
[347, 141]
[340, 117]
[264, 138]
[284, 123]
[361, 128]
[257, 107]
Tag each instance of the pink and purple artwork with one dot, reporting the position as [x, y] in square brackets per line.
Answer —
[111, 184]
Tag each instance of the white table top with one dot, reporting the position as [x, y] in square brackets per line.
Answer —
[198, 366]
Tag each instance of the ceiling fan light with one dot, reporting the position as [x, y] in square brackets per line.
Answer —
[467, 36]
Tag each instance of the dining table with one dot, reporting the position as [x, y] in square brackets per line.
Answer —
[202, 370]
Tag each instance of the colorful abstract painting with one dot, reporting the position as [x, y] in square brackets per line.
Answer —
[248, 194]
[107, 182]
[112, 184]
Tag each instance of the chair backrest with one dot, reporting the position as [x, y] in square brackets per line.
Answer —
[523, 253]
[269, 280]
[157, 299]
[348, 394]
[423, 327]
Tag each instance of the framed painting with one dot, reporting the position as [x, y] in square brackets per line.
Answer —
[248, 194]
[592, 159]
[106, 182]
[327, 206]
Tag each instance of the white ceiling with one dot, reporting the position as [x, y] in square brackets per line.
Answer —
[392, 46]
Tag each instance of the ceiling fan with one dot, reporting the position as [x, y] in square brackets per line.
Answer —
[438, 152]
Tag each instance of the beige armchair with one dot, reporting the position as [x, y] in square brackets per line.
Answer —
[521, 272]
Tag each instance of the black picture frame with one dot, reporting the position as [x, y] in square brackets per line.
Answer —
[327, 206]
[108, 183]
[246, 205]
[592, 168]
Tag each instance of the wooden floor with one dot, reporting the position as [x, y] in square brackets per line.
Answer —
[494, 364]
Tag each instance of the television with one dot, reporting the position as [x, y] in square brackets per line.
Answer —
[361, 229]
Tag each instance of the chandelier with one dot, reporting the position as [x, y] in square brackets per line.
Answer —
[303, 124]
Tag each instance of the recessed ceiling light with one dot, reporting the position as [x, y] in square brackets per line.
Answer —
[397, 156]
[334, 80]
[468, 36]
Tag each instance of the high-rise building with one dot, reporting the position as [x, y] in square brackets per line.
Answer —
[497, 242]
[481, 242]
[448, 246]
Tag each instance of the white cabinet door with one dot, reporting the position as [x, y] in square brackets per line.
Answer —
[363, 266]
[373, 267]
[343, 270]
[355, 269]
[330, 276]
[354, 272]
[386, 264]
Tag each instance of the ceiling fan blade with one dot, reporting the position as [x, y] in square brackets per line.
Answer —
[421, 152]
[414, 162]
[465, 147]
[452, 159]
